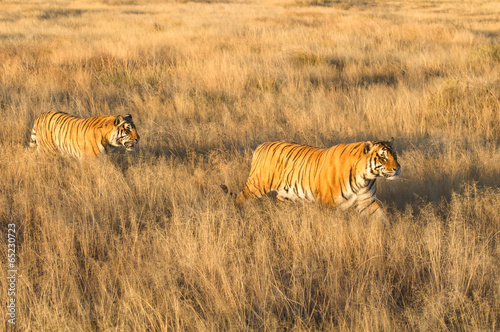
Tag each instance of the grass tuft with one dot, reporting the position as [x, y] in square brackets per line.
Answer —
[149, 241]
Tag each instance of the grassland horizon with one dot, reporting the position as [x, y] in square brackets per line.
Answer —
[148, 240]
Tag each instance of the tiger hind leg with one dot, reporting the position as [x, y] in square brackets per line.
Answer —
[246, 194]
[33, 139]
[241, 198]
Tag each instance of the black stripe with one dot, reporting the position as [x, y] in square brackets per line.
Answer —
[268, 150]
[342, 188]
[367, 206]
[66, 127]
[355, 148]
[352, 181]
[371, 184]
[346, 147]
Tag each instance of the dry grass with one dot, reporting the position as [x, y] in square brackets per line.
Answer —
[148, 241]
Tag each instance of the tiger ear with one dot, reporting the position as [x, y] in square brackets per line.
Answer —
[368, 146]
[127, 117]
[118, 120]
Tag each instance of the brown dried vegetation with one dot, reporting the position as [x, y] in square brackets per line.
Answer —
[148, 241]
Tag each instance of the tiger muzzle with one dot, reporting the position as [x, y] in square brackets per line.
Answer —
[130, 145]
[391, 174]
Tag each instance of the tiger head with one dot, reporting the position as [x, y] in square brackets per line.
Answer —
[125, 133]
[382, 159]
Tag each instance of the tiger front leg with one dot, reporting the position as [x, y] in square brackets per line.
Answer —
[373, 211]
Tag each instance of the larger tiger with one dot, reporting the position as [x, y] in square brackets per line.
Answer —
[82, 137]
[343, 175]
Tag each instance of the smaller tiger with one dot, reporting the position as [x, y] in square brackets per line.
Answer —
[82, 137]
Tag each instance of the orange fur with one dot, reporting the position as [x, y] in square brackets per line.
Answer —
[82, 137]
[342, 175]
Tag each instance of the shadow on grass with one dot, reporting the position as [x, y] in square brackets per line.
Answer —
[433, 169]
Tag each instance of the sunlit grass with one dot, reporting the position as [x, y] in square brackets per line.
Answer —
[149, 241]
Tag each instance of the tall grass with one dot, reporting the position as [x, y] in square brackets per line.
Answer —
[148, 240]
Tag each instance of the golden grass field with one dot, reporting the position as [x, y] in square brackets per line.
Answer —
[148, 241]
